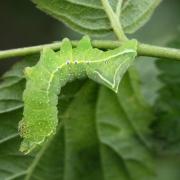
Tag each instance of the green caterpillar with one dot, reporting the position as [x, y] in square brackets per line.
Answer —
[54, 70]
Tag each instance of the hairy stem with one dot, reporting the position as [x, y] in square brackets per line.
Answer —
[143, 49]
[160, 52]
[114, 19]
[118, 8]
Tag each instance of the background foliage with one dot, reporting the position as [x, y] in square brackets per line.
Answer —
[101, 135]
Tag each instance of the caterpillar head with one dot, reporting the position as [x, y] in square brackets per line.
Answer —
[27, 146]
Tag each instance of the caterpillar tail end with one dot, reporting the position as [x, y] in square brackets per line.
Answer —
[26, 147]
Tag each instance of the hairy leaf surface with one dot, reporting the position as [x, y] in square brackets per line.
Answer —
[123, 128]
[88, 16]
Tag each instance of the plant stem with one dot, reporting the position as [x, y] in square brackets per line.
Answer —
[114, 20]
[143, 49]
[159, 52]
[118, 8]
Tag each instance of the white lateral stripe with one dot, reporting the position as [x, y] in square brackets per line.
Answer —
[103, 78]
[97, 61]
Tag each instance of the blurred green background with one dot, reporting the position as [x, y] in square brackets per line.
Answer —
[21, 24]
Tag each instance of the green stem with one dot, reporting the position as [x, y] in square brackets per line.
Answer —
[159, 52]
[143, 49]
[114, 20]
[118, 8]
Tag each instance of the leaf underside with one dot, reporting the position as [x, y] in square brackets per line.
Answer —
[89, 17]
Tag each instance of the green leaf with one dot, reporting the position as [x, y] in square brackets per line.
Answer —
[88, 143]
[89, 17]
[13, 92]
[13, 85]
[11, 96]
[17, 69]
[136, 13]
[167, 105]
[9, 81]
[123, 128]
[82, 159]
[47, 162]
[10, 105]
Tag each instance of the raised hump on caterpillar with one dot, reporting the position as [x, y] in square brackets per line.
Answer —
[54, 70]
